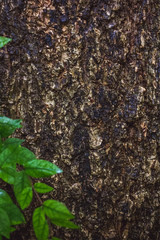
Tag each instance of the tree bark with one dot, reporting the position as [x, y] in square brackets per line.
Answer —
[84, 77]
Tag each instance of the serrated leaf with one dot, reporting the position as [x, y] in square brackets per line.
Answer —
[4, 41]
[8, 157]
[42, 188]
[8, 174]
[23, 190]
[41, 168]
[10, 151]
[24, 155]
[4, 197]
[40, 224]
[12, 142]
[8, 126]
[14, 213]
[64, 223]
[59, 214]
[4, 224]
[56, 209]
[25, 198]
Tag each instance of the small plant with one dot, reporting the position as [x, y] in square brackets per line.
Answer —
[18, 165]
[4, 41]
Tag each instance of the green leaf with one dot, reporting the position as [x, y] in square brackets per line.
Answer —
[23, 190]
[40, 224]
[54, 238]
[64, 223]
[8, 174]
[4, 224]
[4, 41]
[59, 214]
[10, 151]
[12, 142]
[8, 126]
[8, 156]
[1, 144]
[24, 155]
[56, 209]
[5, 157]
[15, 153]
[26, 197]
[14, 213]
[42, 188]
[4, 197]
[12, 229]
[41, 168]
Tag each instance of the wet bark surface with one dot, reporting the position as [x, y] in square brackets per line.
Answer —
[84, 77]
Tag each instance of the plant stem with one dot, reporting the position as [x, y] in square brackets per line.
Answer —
[38, 197]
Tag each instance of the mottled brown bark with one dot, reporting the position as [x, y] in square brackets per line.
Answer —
[84, 77]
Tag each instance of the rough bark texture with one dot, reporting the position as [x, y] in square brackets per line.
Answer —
[84, 77]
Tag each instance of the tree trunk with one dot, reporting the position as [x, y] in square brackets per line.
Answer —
[84, 77]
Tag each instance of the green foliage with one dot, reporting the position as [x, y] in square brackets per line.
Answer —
[8, 126]
[23, 189]
[4, 41]
[41, 168]
[58, 213]
[10, 215]
[17, 165]
[40, 224]
[42, 188]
